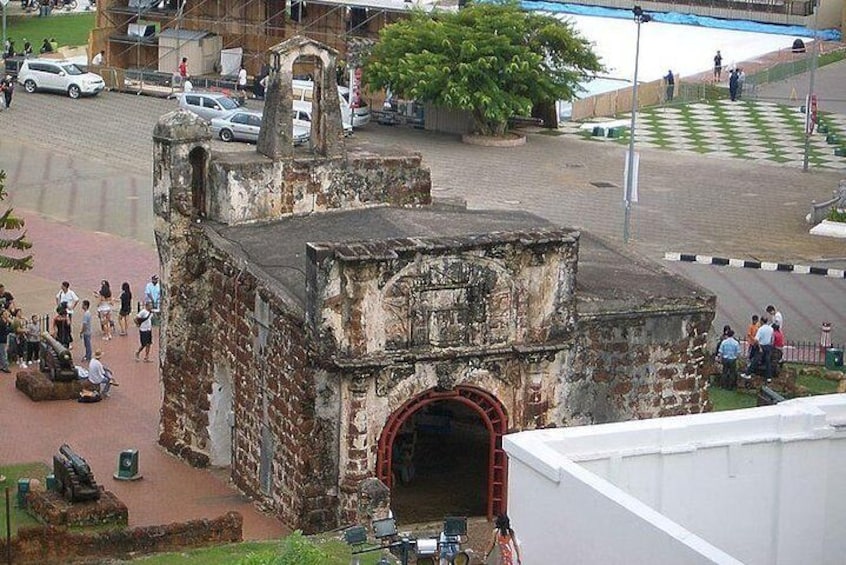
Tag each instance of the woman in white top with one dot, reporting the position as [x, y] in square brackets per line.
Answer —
[104, 309]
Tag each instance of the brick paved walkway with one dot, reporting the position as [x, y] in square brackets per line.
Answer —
[170, 491]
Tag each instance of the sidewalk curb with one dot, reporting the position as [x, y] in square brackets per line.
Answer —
[748, 264]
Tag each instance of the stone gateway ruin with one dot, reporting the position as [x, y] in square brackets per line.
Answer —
[326, 323]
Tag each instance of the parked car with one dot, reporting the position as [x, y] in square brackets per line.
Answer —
[208, 105]
[356, 117]
[244, 125]
[59, 76]
[302, 117]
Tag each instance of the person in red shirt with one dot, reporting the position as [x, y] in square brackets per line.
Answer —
[778, 344]
[183, 68]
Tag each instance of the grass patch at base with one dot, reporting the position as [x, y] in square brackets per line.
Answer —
[258, 553]
[722, 399]
[70, 29]
[816, 384]
[19, 517]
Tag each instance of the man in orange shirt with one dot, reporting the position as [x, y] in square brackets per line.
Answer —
[750, 337]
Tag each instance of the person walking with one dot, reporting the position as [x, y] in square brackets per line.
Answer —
[751, 344]
[69, 298]
[733, 82]
[5, 330]
[85, 332]
[718, 66]
[775, 316]
[504, 546]
[671, 85]
[144, 321]
[8, 87]
[764, 339]
[741, 80]
[729, 352]
[104, 308]
[153, 293]
[125, 307]
[62, 327]
[242, 80]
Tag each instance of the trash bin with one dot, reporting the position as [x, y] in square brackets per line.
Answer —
[23, 490]
[833, 358]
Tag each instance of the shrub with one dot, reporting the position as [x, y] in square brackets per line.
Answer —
[296, 550]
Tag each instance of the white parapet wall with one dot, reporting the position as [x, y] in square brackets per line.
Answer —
[757, 486]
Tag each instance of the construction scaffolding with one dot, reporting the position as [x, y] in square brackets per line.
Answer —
[144, 40]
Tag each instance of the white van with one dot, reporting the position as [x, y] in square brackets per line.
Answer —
[358, 117]
[59, 76]
[302, 116]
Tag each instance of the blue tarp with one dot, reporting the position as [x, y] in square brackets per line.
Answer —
[682, 19]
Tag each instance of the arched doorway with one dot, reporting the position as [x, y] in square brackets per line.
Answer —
[441, 408]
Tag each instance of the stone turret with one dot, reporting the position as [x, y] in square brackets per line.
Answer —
[181, 155]
[327, 132]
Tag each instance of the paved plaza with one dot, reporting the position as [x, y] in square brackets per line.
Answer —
[80, 173]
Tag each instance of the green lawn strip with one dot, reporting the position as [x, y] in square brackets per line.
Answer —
[722, 399]
[19, 517]
[68, 29]
[816, 384]
[259, 553]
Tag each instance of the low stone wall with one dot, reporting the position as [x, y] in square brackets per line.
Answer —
[38, 386]
[50, 508]
[47, 545]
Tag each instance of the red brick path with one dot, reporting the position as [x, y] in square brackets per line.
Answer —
[170, 490]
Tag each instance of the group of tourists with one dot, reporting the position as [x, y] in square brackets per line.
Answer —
[21, 337]
[764, 348]
[736, 80]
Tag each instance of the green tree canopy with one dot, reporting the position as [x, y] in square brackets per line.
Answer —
[492, 59]
[17, 241]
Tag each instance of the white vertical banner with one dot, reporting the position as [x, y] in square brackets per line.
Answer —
[631, 198]
[808, 129]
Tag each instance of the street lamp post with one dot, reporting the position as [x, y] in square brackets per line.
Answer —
[808, 115]
[640, 18]
[3, 4]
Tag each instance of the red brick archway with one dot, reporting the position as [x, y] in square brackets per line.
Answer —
[493, 416]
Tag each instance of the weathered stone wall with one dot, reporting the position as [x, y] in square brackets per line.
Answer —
[52, 545]
[257, 339]
[639, 365]
[379, 299]
[246, 187]
[397, 318]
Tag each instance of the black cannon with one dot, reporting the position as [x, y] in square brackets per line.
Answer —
[74, 478]
[56, 360]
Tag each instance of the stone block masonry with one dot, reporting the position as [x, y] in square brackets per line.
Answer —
[53, 545]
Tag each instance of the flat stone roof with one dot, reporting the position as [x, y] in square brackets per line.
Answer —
[607, 280]
[612, 279]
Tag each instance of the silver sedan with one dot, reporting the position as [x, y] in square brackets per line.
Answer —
[244, 125]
